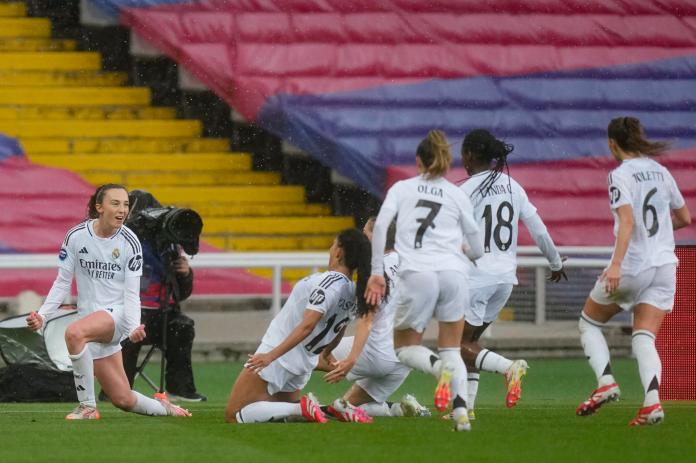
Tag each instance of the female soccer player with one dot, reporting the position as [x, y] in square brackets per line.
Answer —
[499, 202]
[641, 276]
[368, 359]
[106, 259]
[433, 218]
[313, 319]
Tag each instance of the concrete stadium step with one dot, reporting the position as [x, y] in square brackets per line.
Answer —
[237, 194]
[12, 78]
[26, 44]
[13, 9]
[86, 113]
[270, 243]
[25, 27]
[75, 96]
[223, 209]
[152, 179]
[124, 163]
[276, 225]
[119, 145]
[50, 61]
[151, 128]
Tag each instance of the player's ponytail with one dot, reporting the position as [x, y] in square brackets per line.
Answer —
[485, 148]
[98, 198]
[357, 254]
[628, 133]
[435, 154]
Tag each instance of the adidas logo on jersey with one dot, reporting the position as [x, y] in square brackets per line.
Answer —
[84, 250]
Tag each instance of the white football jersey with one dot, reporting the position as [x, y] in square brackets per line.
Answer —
[330, 293]
[432, 217]
[100, 265]
[381, 340]
[497, 211]
[651, 191]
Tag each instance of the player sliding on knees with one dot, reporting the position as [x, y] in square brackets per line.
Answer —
[647, 206]
[434, 222]
[499, 202]
[368, 359]
[106, 260]
[313, 319]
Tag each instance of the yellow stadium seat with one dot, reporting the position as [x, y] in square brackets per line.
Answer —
[25, 27]
[55, 61]
[138, 162]
[110, 128]
[75, 96]
[13, 9]
[13, 78]
[276, 225]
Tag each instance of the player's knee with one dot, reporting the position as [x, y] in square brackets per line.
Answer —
[123, 400]
[231, 414]
[73, 335]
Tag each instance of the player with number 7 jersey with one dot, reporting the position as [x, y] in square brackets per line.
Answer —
[312, 320]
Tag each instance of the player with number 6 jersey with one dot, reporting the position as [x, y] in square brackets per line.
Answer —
[435, 226]
[312, 320]
[499, 203]
[647, 206]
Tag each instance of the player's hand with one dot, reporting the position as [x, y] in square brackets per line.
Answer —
[181, 265]
[341, 369]
[611, 277]
[556, 275]
[138, 334]
[258, 362]
[376, 287]
[35, 321]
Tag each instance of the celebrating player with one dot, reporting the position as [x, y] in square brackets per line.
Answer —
[106, 259]
[368, 358]
[313, 318]
[647, 206]
[499, 202]
[433, 218]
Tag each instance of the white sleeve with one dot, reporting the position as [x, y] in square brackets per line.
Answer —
[379, 233]
[619, 192]
[131, 303]
[542, 238]
[59, 292]
[676, 200]
[470, 229]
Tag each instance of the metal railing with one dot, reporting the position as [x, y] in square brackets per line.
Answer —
[528, 258]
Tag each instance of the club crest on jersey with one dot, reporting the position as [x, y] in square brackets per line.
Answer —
[614, 195]
[135, 263]
[115, 254]
[63, 254]
[317, 297]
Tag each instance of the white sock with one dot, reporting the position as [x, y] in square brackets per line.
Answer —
[472, 388]
[453, 356]
[419, 358]
[83, 374]
[379, 409]
[147, 406]
[264, 412]
[649, 365]
[488, 360]
[596, 349]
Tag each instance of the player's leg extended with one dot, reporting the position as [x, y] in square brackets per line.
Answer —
[449, 339]
[112, 377]
[646, 323]
[470, 349]
[98, 326]
[592, 319]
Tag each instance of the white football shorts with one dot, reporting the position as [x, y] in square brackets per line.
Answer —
[422, 296]
[486, 303]
[280, 379]
[379, 377]
[100, 350]
[655, 286]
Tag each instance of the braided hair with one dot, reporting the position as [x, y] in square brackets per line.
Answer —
[487, 149]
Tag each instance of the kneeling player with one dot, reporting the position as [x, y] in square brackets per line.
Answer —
[374, 369]
[313, 319]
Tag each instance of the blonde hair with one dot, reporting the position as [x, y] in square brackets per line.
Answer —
[434, 153]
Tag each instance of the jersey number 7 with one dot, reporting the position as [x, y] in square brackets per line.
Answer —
[426, 221]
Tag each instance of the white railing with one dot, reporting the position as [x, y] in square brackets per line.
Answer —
[529, 257]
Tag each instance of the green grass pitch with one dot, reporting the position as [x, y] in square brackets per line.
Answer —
[543, 427]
